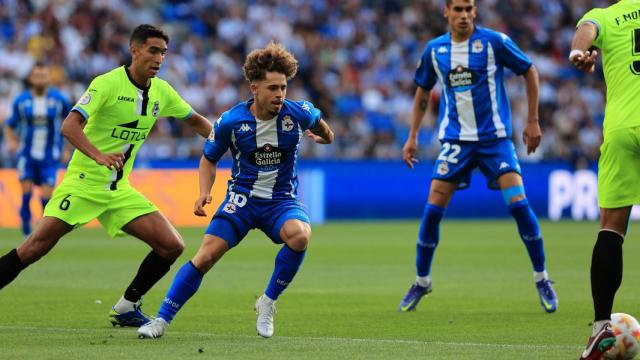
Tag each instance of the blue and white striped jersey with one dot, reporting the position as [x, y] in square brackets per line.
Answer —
[37, 121]
[264, 151]
[474, 105]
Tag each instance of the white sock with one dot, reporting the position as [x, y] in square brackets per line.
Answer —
[124, 306]
[423, 281]
[269, 300]
[540, 275]
[598, 325]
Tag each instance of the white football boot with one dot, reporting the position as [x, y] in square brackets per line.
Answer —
[153, 329]
[265, 308]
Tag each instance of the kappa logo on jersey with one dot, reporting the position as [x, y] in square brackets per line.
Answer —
[155, 110]
[129, 132]
[268, 156]
[244, 127]
[306, 107]
[442, 50]
[461, 78]
[477, 46]
[85, 99]
[443, 168]
[287, 123]
[503, 165]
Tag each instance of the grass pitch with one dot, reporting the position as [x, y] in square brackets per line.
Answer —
[343, 303]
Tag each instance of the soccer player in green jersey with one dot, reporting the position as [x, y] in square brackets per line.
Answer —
[107, 127]
[616, 32]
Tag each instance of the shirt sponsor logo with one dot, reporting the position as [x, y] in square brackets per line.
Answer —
[129, 132]
[126, 98]
[268, 156]
[461, 78]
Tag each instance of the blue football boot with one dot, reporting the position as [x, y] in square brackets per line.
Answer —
[133, 318]
[413, 296]
[548, 297]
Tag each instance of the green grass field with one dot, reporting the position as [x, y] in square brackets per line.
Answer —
[343, 303]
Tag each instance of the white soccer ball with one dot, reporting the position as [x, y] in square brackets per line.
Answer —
[627, 332]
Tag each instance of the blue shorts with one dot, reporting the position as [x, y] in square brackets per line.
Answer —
[39, 172]
[240, 213]
[457, 159]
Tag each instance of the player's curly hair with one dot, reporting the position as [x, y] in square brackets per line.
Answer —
[272, 58]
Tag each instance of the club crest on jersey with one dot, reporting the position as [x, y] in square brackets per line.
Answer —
[155, 110]
[229, 208]
[212, 135]
[287, 123]
[477, 47]
[85, 99]
[443, 168]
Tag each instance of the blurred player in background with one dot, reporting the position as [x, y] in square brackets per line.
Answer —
[475, 131]
[33, 133]
[119, 108]
[264, 135]
[616, 31]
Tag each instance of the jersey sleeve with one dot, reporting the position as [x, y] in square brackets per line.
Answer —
[94, 98]
[310, 115]
[14, 119]
[175, 105]
[510, 55]
[425, 76]
[596, 17]
[219, 140]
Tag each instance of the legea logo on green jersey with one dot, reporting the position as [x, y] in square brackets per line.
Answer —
[129, 132]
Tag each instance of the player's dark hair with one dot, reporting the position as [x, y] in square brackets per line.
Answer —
[145, 31]
[26, 82]
[450, 1]
[272, 58]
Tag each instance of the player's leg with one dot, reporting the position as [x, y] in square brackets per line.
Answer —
[289, 225]
[48, 181]
[38, 244]
[25, 211]
[167, 245]
[223, 233]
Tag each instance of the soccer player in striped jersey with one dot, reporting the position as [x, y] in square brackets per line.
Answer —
[107, 126]
[33, 132]
[264, 135]
[474, 128]
[614, 30]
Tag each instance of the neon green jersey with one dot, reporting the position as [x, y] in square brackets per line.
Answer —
[619, 41]
[120, 115]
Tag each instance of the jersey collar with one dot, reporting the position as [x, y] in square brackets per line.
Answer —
[143, 88]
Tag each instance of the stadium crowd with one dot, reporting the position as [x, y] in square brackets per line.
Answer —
[357, 61]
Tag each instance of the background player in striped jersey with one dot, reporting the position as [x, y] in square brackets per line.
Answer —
[264, 135]
[107, 126]
[474, 128]
[615, 30]
[33, 132]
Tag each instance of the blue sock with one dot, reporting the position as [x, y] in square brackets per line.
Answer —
[529, 232]
[428, 238]
[185, 284]
[25, 213]
[44, 202]
[287, 264]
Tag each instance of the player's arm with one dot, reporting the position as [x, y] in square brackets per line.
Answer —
[580, 55]
[200, 124]
[532, 133]
[206, 178]
[321, 133]
[72, 130]
[12, 140]
[420, 105]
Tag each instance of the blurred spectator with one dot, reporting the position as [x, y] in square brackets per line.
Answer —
[357, 59]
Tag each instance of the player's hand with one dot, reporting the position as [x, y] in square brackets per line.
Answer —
[409, 151]
[198, 207]
[315, 138]
[111, 161]
[585, 62]
[532, 136]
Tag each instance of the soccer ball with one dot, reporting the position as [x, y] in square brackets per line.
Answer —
[627, 332]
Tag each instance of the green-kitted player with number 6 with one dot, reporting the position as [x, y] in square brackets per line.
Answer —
[616, 32]
[118, 110]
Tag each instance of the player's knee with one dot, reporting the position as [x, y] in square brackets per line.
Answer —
[36, 246]
[297, 235]
[172, 248]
